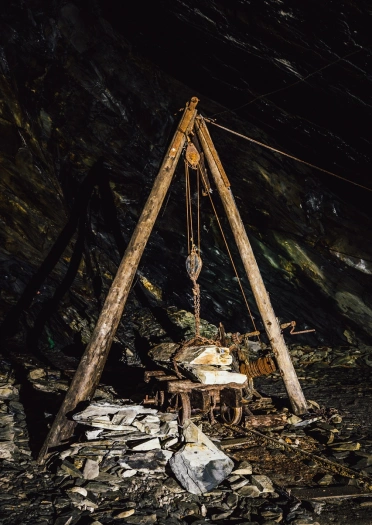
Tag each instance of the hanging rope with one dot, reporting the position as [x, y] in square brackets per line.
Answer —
[193, 261]
[202, 173]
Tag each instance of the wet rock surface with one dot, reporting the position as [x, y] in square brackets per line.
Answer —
[86, 119]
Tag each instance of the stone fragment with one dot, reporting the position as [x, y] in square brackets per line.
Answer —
[93, 434]
[222, 516]
[263, 483]
[168, 443]
[325, 480]
[239, 484]
[36, 373]
[7, 449]
[292, 420]
[169, 428]
[146, 462]
[125, 513]
[129, 473]
[146, 519]
[365, 461]
[7, 392]
[339, 447]
[306, 422]
[149, 424]
[243, 469]
[365, 503]
[232, 500]
[199, 466]
[91, 469]
[174, 487]
[87, 504]
[232, 479]
[149, 444]
[304, 521]
[45, 385]
[249, 491]
[274, 514]
[98, 487]
[71, 469]
[79, 490]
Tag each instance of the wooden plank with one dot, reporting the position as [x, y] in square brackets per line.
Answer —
[235, 442]
[89, 371]
[330, 492]
[269, 319]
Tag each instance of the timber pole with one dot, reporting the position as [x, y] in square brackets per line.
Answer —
[265, 308]
[89, 371]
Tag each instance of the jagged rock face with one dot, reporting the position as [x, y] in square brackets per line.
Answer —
[90, 99]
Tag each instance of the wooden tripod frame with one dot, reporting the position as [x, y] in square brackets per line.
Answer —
[89, 371]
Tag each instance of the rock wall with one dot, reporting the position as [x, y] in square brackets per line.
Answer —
[87, 112]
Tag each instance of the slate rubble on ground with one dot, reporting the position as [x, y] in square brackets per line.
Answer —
[102, 479]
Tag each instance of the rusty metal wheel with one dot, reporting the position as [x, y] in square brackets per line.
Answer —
[159, 399]
[180, 403]
[231, 415]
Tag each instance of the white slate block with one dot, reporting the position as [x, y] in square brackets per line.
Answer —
[210, 375]
[199, 466]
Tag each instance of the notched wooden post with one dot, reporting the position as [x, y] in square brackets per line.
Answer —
[269, 319]
[89, 371]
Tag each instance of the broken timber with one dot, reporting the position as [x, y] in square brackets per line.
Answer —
[263, 302]
[90, 368]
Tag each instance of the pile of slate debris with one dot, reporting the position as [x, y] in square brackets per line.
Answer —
[135, 465]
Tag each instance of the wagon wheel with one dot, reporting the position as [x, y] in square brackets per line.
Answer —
[231, 415]
[180, 403]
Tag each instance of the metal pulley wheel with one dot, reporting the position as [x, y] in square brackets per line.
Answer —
[192, 156]
[194, 264]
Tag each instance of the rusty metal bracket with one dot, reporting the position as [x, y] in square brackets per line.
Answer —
[293, 325]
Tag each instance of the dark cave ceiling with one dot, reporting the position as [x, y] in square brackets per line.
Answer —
[90, 98]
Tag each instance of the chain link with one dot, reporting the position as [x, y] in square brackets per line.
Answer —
[196, 292]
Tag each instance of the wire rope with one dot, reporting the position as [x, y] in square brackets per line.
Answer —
[287, 154]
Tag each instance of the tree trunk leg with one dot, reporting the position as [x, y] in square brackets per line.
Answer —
[270, 321]
[90, 368]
